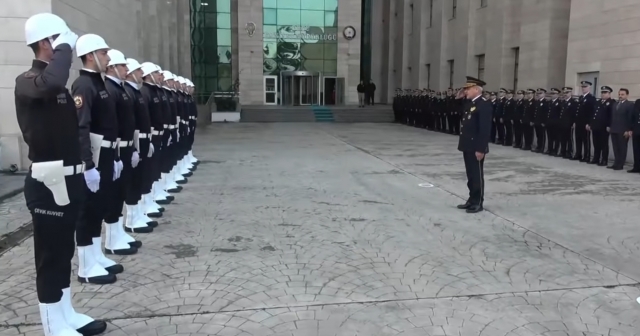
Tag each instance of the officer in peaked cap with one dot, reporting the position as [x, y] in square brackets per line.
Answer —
[509, 106]
[584, 113]
[528, 119]
[517, 119]
[98, 140]
[54, 189]
[193, 120]
[474, 142]
[567, 119]
[599, 126]
[540, 119]
[553, 121]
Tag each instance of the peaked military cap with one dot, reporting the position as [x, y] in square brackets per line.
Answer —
[585, 83]
[531, 91]
[504, 90]
[510, 91]
[606, 89]
[554, 90]
[493, 93]
[471, 82]
[520, 92]
[541, 90]
[567, 89]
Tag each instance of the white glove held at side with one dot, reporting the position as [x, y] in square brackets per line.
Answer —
[92, 178]
[67, 37]
[151, 150]
[135, 159]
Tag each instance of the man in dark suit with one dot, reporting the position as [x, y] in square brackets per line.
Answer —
[474, 142]
[621, 118]
[635, 137]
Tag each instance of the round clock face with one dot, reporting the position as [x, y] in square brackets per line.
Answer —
[349, 33]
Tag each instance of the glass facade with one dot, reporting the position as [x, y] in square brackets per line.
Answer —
[300, 35]
[211, 46]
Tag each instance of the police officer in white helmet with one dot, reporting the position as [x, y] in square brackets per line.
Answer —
[55, 187]
[193, 119]
[98, 140]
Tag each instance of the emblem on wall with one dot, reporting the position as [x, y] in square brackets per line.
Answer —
[250, 27]
[349, 33]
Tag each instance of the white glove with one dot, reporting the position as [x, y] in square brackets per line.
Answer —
[92, 178]
[169, 143]
[135, 159]
[117, 169]
[67, 37]
[151, 150]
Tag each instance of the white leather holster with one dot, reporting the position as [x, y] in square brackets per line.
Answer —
[96, 146]
[52, 174]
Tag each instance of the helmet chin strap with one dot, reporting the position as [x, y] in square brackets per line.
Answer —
[136, 78]
[95, 57]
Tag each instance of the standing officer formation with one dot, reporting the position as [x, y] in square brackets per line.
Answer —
[93, 150]
[553, 121]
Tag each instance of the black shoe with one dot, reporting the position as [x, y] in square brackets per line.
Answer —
[146, 229]
[93, 328]
[115, 269]
[634, 170]
[602, 164]
[618, 168]
[610, 167]
[163, 201]
[136, 244]
[464, 206]
[576, 158]
[131, 250]
[99, 280]
[593, 162]
[475, 209]
[154, 214]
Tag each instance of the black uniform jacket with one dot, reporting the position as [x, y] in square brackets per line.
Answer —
[585, 110]
[96, 112]
[475, 130]
[602, 116]
[46, 112]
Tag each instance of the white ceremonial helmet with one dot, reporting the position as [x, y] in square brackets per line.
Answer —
[133, 65]
[148, 68]
[42, 26]
[181, 80]
[117, 57]
[190, 83]
[168, 75]
[89, 43]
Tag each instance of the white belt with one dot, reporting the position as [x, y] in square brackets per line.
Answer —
[126, 143]
[166, 126]
[144, 135]
[73, 170]
[172, 126]
[108, 144]
[191, 117]
[183, 121]
[156, 132]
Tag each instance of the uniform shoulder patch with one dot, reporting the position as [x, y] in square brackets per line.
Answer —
[78, 101]
[29, 74]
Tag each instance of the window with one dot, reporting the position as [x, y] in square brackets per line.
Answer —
[450, 62]
[483, 3]
[454, 7]
[428, 76]
[211, 57]
[516, 54]
[430, 13]
[480, 59]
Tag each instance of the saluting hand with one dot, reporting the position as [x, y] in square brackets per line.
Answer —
[479, 156]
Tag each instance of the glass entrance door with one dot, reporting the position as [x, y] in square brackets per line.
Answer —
[270, 90]
[300, 88]
[306, 90]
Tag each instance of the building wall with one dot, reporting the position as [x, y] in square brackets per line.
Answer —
[159, 34]
[604, 38]
[422, 34]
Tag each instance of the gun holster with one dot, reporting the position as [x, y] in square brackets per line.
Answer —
[51, 174]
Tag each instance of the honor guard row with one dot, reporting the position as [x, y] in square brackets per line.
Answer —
[122, 141]
[561, 124]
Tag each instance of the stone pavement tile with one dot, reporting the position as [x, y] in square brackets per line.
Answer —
[10, 184]
[13, 214]
[491, 315]
[289, 216]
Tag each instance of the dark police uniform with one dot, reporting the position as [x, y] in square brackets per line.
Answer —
[539, 119]
[126, 129]
[567, 119]
[584, 113]
[635, 138]
[97, 115]
[142, 179]
[49, 124]
[552, 124]
[474, 138]
[599, 122]
[509, 108]
[517, 121]
[527, 121]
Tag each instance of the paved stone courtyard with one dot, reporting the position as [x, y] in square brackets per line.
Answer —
[351, 229]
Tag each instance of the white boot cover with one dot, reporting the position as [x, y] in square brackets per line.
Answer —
[53, 321]
[74, 320]
[88, 266]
